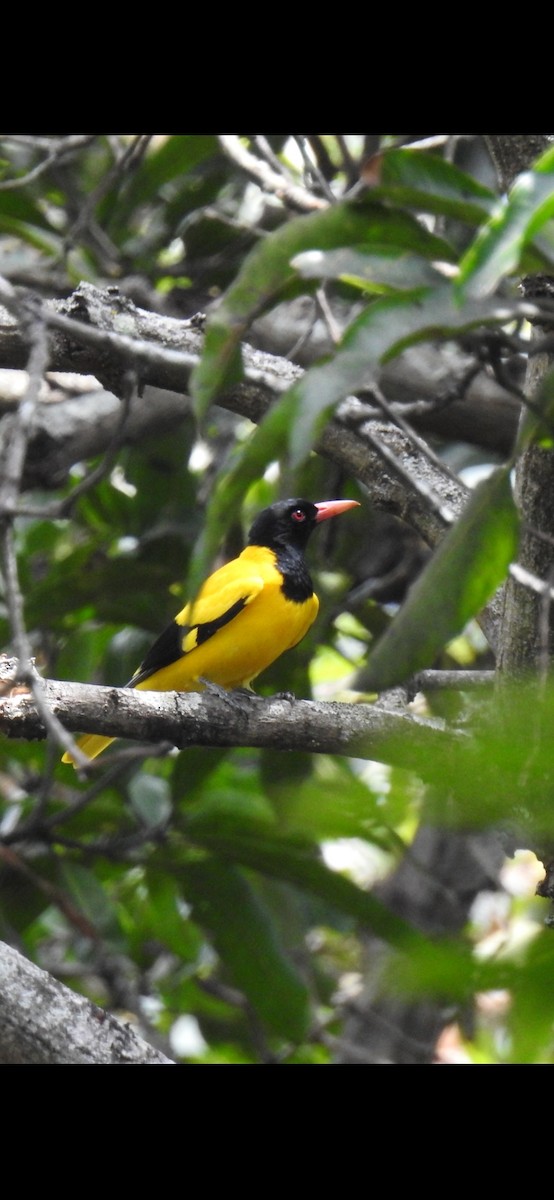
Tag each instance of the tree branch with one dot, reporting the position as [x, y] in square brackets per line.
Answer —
[228, 719]
[268, 178]
[88, 337]
[43, 1022]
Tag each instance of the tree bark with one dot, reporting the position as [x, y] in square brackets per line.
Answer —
[43, 1023]
[514, 152]
[526, 640]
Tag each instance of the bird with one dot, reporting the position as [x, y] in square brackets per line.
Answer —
[246, 614]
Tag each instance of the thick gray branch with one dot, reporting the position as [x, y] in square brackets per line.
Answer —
[43, 1022]
[194, 719]
[102, 333]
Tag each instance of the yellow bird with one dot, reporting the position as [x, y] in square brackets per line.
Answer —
[245, 615]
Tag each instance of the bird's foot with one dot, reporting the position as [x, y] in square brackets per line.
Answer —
[234, 697]
[214, 689]
[289, 696]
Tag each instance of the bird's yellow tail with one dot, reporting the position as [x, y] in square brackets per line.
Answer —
[91, 744]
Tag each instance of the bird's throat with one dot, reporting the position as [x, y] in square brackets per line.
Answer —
[297, 584]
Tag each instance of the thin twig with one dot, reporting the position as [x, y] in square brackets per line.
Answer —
[531, 581]
[428, 143]
[420, 444]
[14, 459]
[130, 157]
[59, 509]
[326, 312]
[443, 511]
[118, 848]
[350, 168]
[61, 149]
[271, 181]
[540, 534]
[312, 168]
[66, 506]
[261, 143]
[19, 429]
[37, 826]
[26, 673]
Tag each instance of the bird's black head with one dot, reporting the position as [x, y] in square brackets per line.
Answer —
[289, 523]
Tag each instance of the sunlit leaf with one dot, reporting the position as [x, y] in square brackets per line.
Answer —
[268, 270]
[385, 328]
[517, 218]
[363, 811]
[376, 272]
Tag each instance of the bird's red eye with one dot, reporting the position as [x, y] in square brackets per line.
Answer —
[298, 515]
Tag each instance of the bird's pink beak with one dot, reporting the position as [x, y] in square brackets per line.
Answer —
[332, 508]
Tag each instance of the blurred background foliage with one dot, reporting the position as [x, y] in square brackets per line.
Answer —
[230, 901]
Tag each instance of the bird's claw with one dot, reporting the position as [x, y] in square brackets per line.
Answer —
[233, 697]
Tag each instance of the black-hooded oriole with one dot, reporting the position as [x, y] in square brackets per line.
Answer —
[245, 615]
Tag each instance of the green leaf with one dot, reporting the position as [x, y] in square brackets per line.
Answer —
[461, 576]
[90, 898]
[175, 158]
[511, 759]
[268, 271]
[427, 182]
[17, 204]
[42, 239]
[220, 367]
[497, 249]
[386, 327]
[378, 272]
[295, 860]
[383, 330]
[225, 904]
[532, 1012]
[361, 811]
[24, 894]
[160, 915]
